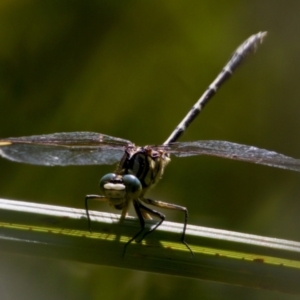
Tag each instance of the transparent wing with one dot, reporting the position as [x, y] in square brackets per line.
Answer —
[234, 151]
[61, 149]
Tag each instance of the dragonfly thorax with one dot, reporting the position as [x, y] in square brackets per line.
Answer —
[139, 169]
[145, 163]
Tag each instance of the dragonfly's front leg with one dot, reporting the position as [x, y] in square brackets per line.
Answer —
[94, 197]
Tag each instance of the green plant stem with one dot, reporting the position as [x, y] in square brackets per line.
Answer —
[220, 255]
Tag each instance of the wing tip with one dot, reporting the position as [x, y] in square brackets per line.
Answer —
[5, 143]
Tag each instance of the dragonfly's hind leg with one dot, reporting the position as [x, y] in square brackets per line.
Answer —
[173, 207]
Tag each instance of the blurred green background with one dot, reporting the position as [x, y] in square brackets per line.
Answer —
[132, 69]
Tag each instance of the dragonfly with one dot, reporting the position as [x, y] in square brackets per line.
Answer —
[140, 168]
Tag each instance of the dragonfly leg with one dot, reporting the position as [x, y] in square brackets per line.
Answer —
[173, 207]
[137, 207]
[92, 197]
[148, 211]
[124, 210]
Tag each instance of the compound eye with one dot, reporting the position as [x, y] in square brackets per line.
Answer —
[105, 179]
[112, 187]
[133, 185]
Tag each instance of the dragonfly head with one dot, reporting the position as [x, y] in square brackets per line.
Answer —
[118, 187]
